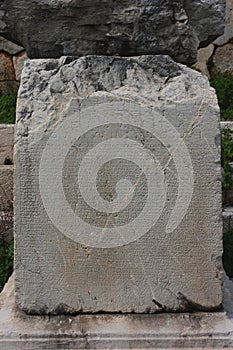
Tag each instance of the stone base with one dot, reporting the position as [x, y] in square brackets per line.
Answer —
[109, 331]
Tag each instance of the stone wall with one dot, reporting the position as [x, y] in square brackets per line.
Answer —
[218, 56]
[6, 181]
[214, 60]
[12, 58]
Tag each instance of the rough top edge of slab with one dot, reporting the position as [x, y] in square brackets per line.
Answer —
[42, 79]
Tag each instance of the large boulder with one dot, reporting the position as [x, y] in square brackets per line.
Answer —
[48, 28]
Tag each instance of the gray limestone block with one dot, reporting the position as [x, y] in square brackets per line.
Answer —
[117, 187]
[50, 29]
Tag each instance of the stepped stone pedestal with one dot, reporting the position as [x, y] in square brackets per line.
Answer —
[196, 330]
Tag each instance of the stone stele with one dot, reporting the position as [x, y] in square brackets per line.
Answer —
[117, 187]
[49, 28]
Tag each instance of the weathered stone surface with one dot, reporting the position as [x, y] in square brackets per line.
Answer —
[203, 56]
[6, 143]
[117, 187]
[55, 28]
[222, 59]
[228, 31]
[199, 330]
[9, 47]
[6, 188]
[6, 225]
[19, 61]
[7, 71]
[227, 218]
[228, 195]
[207, 18]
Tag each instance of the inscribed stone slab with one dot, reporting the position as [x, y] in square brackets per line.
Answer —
[117, 187]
